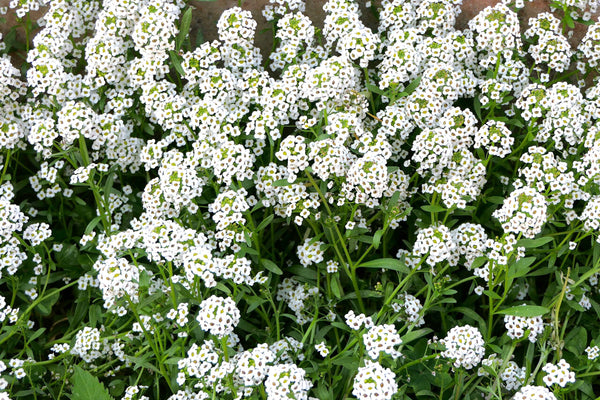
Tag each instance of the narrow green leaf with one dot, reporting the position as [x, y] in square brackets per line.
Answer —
[335, 288]
[433, 208]
[387, 263]
[414, 335]
[271, 266]
[87, 387]
[525, 311]
[265, 222]
[184, 29]
[176, 63]
[531, 243]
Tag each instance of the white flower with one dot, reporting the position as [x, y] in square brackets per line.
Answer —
[464, 345]
[218, 315]
[374, 382]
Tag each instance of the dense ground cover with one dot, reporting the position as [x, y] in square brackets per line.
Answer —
[410, 211]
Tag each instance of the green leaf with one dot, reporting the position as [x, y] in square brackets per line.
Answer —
[576, 340]
[530, 243]
[141, 362]
[411, 87]
[87, 387]
[184, 29]
[387, 263]
[254, 302]
[265, 222]
[525, 311]
[281, 182]
[335, 288]
[377, 238]
[176, 63]
[433, 208]
[271, 266]
[414, 335]
[521, 267]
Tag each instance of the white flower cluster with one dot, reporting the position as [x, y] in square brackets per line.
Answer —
[524, 211]
[310, 253]
[357, 321]
[512, 376]
[559, 374]
[218, 315]
[534, 393]
[592, 352]
[285, 381]
[296, 295]
[117, 279]
[470, 242]
[495, 137]
[436, 243]
[517, 326]
[464, 345]
[382, 339]
[252, 366]
[410, 307]
[87, 344]
[549, 45]
[374, 382]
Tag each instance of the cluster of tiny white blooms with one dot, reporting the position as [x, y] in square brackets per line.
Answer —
[549, 46]
[374, 382]
[461, 181]
[589, 46]
[517, 326]
[310, 253]
[132, 391]
[322, 349]
[433, 149]
[293, 149]
[287, 381]
[437, 17]
[495, 137]
[534, 393]
[410, 307]
[382, 338]
[236, 29]
[558, 374]
[179, 315]
[286, 350]
[436, 243]
[154, 29]
[591, 214]
[117, 279]
[202, 362]
[37, 233]
[367, 178]
[497, 31]
[592, 352]
[513, 376]
[464, 345]
[218, 315]
[524, 211]
[566, 120]
[332, 266]
[252, 366]
[470, 242]
[87, 344]
[295, 294]
[295, 33]
[359, 45]
[282, 7]
[545, 172]
[357, 321]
